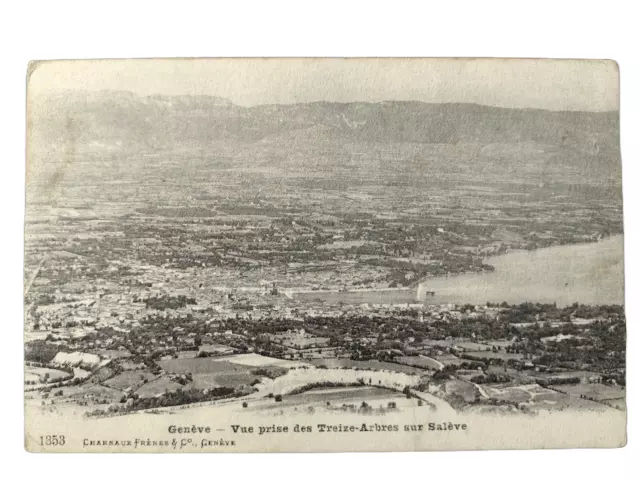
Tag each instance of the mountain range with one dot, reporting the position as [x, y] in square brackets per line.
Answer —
[128, 122]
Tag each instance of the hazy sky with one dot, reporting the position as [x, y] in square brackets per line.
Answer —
[548, 84]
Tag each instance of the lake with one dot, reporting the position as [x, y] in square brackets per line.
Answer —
[589, 273]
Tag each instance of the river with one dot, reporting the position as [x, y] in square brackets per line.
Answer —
[589, 273]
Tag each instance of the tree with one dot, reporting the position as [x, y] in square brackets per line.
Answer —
[407, 391]
[278, 398]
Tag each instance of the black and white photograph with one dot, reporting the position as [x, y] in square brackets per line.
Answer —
[323, 254]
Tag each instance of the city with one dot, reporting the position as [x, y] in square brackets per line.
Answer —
[310, 268]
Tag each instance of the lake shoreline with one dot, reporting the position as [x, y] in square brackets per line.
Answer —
[561, 274]
[592, 272]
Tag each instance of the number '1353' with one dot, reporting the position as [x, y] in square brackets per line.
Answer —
[52, 440]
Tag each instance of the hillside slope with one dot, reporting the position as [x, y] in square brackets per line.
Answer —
[325, 135]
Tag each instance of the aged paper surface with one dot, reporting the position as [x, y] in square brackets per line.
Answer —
[264, 255]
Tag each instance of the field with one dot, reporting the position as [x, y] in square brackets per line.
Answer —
[558, 401]
[129, 379]
[77, 359]
[102, 374]
[342, 395]
[565, 375]
[489, 355]
[80, 373]
[210, 372]
[517, 376]
[37, 374]
[539, 398]
[100, 392]
[509, 394]
[473, 346]
[448, 359]
[367, 365]
[336, 397]
[231, 371]
[222, 379]
[467, 375]
[215, 348]
[500, 343]
[112, 353]
[255, 360]
[593, 391]
[438, 343]
[201, 365]
[420, 362]
[458, 388]
[188, 354]
[345, 393]
[128, 365]
[157, 387]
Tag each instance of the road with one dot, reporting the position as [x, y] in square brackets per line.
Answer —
[441, 405]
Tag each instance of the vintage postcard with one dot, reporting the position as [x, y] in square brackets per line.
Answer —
[287, 255]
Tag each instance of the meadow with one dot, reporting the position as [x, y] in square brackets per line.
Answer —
[420, 362]
[335, 398]
[38, 374]
[537, 398]
[211, 372]
[593, 391]
[129, 379]
[367, 365]
[157, 387]
[489, 355]
[200, 365]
